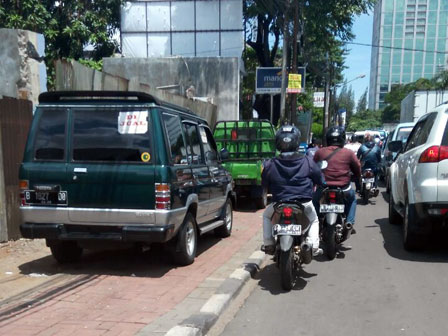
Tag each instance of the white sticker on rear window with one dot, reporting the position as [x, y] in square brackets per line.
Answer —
[203, 136]
[135, 122]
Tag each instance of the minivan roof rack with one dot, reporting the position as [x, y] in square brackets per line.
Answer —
[57, 96]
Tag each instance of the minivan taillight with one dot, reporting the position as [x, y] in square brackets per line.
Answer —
[434, 154]
[23, 185]
[163, 196]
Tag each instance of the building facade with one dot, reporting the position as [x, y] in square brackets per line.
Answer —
[188, 28]
[409, 42]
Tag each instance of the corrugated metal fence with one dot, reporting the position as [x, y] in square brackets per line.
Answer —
[15, 120]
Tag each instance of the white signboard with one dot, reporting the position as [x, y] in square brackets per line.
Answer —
[319, 99]
[135, 122]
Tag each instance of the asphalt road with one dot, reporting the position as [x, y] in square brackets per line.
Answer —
[374, 287]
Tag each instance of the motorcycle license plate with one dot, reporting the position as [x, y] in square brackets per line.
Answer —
[368, 180]
[287, 229]
[337, 208]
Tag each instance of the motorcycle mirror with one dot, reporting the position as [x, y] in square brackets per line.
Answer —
[322, 164]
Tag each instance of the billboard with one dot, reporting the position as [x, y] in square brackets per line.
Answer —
[268, 80]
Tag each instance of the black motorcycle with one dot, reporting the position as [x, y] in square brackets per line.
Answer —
[290, 227]
[334, 230]
[369, 188]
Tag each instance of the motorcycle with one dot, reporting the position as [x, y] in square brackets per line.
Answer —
[368, 187]
[334, 230]
[290, 228]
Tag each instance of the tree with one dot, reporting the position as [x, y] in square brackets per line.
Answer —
[346, 100]
[68, 26]
[363, 120]
[362, 102]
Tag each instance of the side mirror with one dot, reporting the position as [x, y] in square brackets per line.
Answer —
[395, 146]
[224, 154]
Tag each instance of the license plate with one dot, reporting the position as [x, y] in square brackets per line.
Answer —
[337, 208]
[368, 180]
[287, 229]
[45, 197]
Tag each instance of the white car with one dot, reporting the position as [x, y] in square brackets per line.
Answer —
[419, 179]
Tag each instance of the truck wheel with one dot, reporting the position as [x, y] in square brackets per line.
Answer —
[186, 245]
[262, 202]
[65, 251]
[225, 230]
[411, 240]
[394, 216]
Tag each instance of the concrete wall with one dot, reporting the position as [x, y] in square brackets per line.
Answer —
[71, 75]
[214, 77]
[22, 69]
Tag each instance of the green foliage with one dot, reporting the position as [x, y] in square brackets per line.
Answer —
[68, 26]
[362, 102]
[363, 120]
[346, 100]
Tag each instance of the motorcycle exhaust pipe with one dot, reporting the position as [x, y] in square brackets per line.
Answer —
[306, 253]
[348, 230]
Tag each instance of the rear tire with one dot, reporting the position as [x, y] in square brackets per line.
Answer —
[65, 251]
[365, 196]
[394, 216]
[187, 242]
[411, 240]
[287, 271]
[225, 230]
[330, 241]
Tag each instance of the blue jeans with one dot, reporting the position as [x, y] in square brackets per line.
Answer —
[349, 201]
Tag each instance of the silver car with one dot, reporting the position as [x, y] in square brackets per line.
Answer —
[419, 179]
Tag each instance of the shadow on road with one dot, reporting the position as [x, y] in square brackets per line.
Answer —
[269, 279]
[437, 252]
[125, 261]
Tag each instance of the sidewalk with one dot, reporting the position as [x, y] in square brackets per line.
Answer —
[143, 297]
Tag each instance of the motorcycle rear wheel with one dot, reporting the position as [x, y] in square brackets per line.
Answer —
[330, 241]
[287, 270]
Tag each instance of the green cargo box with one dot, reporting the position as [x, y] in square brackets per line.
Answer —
[249, 143]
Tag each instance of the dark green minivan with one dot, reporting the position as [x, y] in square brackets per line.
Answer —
[121, 167]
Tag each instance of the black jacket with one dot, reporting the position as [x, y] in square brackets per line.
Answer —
[291, 176]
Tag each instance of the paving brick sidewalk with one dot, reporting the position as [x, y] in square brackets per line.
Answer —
[108, 304]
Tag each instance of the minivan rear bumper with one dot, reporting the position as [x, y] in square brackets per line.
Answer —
[127, 233]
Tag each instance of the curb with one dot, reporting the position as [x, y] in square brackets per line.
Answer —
[200, 323]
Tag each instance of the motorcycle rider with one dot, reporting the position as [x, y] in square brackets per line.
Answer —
[341, 164]
[290, 176]
[370, 156]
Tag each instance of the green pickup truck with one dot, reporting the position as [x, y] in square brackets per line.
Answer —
[249, 143]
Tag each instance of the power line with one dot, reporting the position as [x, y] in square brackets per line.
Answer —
[398, 48]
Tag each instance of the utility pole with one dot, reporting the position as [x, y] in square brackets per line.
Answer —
[327, 101]
[293, 115]
[284, 61]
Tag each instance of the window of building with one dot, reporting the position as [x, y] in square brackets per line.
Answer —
[443, 19]
[388, 19]
[410, 29]
[398, 32]
[385, 59]
[417, 72]
[406, 77]
[407, 69]
[419, 44]
[442, 30]
[409, 34]
[389, 7]
[387, 32]
[431, 31]
[422, 7]
[432, 17]
[398, 43]
[408, 43]
[384, 71]
[420, 35]
[395, 78]
[441, 44]
[381, 105]
[430, 44]
[411, 2]
[399, 18]
[410, 22]
[418, 57]
[410, 8]
[407, 58]
[399, 5]
[421, 22]
[433, 4]
[421, 15]
[384, 87]
[396, 58]
[387, 43]
[429, 59]
[420, 29]
[429, 69]
[396, 69]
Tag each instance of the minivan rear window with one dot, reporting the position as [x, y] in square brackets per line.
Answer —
[49, 143]
[111, 134]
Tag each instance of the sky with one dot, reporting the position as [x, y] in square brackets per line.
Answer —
[358, 58]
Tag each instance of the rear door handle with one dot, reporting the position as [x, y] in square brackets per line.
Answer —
[80, 170]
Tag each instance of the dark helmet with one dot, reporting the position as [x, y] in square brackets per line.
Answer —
[335, 136]
[287, 138]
